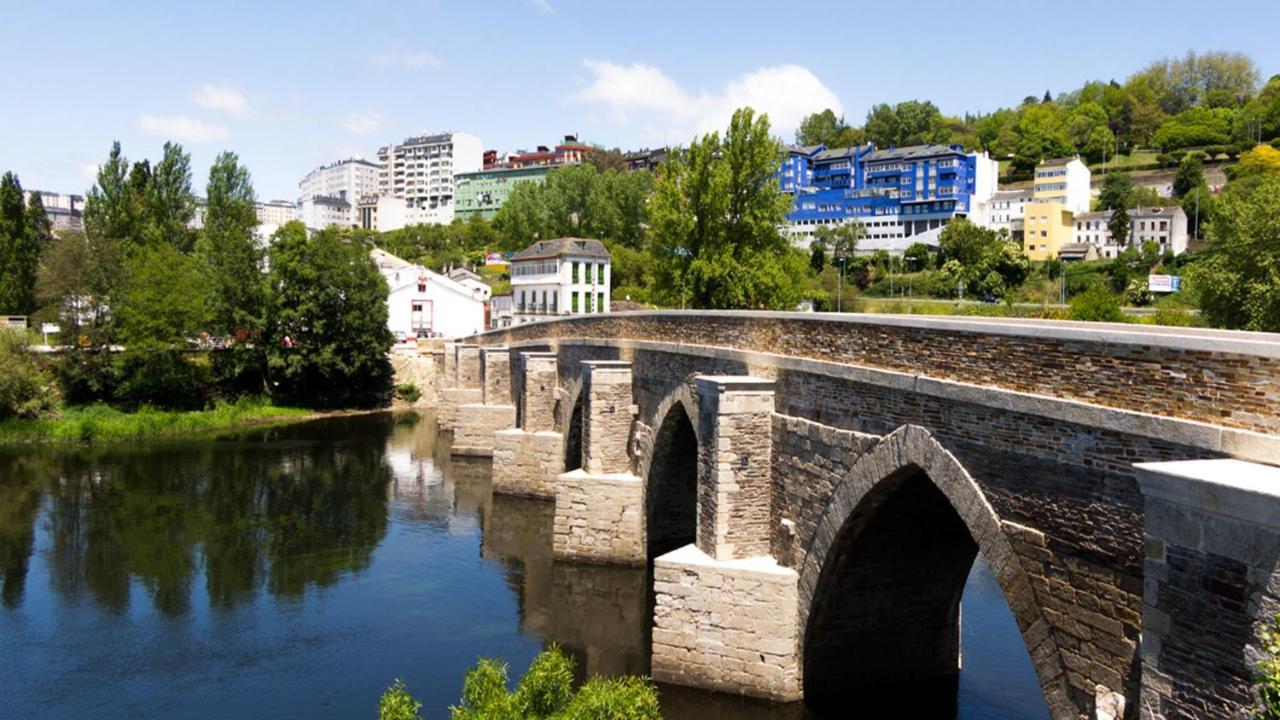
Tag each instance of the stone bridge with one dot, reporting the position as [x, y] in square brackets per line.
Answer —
[812, 491]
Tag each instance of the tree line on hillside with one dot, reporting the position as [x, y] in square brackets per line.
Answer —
[303, 320]
[1208, 101]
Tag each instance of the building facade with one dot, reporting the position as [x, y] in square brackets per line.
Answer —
[1047, 227]
[1064, 181]
[65, 212]
[901, 195]
[1165, 226]
[567, 276]
[425, 304]
[1006, 209]
[482, 193]
[321, 211]
[346, 180]
[421, 171]
[275, 212]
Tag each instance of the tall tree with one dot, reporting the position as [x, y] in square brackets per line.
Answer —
[19, 251]
[825, 128]
[38, 221]
[1238, 277]
[1115, 191]
[171, 205]
[1190, 176]
[716, 214]
[230, 251]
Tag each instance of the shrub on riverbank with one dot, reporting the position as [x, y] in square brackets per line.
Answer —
[26, 390]
[102, 423]
[545, 693]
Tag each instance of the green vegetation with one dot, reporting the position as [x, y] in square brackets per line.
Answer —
[545, 693]
[26, 391]
[408, 392]
[105, 424]
[23, 231]
[1269, 670]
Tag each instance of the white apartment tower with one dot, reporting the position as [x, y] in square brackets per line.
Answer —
[420, 172]
[346, 180]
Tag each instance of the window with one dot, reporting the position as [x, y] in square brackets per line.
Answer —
[589, 297]
[600, 274]
[573, 301]
[575, 272]
[599, 302]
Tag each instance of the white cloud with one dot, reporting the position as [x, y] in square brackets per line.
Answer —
[400, 57]
[645, 95]
[542, 6]
[183, 128]
[223, 98]
[364, 122]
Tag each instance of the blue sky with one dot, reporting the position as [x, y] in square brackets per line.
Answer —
[290, 85]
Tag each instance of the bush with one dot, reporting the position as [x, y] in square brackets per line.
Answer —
[1096, 305]
[162, 377]
[26, 390]
[397, 704]
[86, 376]
[408, 392]
[1136, 293]
[1269, 669]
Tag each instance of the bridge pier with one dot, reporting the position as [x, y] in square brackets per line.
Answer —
[464, 383]
[726, 613]
[477, 422]
[527, 460]
[1211, 585]
[600, 507]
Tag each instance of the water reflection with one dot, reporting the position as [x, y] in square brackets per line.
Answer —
[294, 572]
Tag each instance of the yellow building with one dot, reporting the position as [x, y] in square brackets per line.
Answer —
[1046, 228]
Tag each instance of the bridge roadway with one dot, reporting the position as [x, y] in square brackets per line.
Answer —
[812, 490]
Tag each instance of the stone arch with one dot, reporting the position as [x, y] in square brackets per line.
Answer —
[668, 464]
[569, 422]
[908, 477]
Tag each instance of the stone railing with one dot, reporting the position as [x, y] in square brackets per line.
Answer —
[1224, 378]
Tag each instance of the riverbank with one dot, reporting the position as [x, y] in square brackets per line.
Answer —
[101, 424]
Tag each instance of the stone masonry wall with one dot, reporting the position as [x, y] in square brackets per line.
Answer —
[1232, 390]
[526, 463]
[599, 518]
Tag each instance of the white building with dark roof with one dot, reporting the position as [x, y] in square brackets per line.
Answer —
[346, 180]
[424, 304]
[566, 276]
[420, 172]
[1165, 226]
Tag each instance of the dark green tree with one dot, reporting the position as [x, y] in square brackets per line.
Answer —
[1118, 224]
[171, 204]
[19, 251]
[230, 252]
[716, 214]
[326, 335]
[1238, 274]
[1116, 190]
[825, 128]
[1190, 175]
[38, 221]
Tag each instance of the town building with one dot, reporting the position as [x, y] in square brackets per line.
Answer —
[346, 180]
[568, 152]
[66, 212]
[1064, 181]
[482, 193]
[420, 172]
[471, 279]
[1047, 227]
[276, 212]
[426, 304]
[320, 211]
[1165, 226]
[501, 311]
[645, 159]
[566, 276]
[1006, 209]
[901, 195]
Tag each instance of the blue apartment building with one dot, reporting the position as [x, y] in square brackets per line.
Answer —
[896, 193]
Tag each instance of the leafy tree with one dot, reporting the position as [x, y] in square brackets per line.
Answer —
[1260, 161]
[164, 300]
[19, 251]
[1116, 190]
[107, 208]
[1190, 176]
[63, 286]
[170, 203]
[1261, 116]
[1195, 127]
[1040, 135]
[326, 334]
[1118, 224]
[1096, 304]
[524, 217]
[230, 251]
[817, 255]
[907, 123]
[1099, 144]
[987, 261]
[38, 222]
[603, 160]
[26, 391]
[715, 218]
[995, 132]
[1238, 275]
[824, 128]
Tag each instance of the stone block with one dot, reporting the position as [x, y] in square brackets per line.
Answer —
[475, 426]
[599, 518]
[527, 463]
[450, 400]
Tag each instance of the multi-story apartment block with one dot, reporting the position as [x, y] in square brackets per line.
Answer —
[421, 170]
[346, 181]
[1165, 226]
[645, 159]
[276, 212]
[482, 193]
[1006, 209]
[321, 211]
[66, 212]
[1064, 181]
[567, 276]
[1047, 227]
[901, 195]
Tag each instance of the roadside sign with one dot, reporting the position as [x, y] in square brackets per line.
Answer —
[50, 328]
[1164, 283]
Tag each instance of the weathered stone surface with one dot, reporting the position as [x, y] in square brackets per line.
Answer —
[599, 518]
[527, 463]
[475, 426]
[730, 626]
[735, 489]
[495, 376]
[450, 400]
[607, 416]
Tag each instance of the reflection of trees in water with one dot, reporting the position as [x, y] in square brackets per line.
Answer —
[287, 515]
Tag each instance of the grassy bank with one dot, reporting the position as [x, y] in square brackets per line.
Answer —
[104, 424]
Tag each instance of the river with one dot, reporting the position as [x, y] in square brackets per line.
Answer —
[297, 571]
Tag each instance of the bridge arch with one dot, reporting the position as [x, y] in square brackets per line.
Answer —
[669, 469]
[886, 567]
[568, 418]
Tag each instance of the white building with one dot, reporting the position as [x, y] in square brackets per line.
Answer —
[501, 311]
[346, 180]
[420, 171]
[1064, 181]
[422, 303]
[65, 212]
[1165, 226]
[568, 276]
[392, 213]
[1007, 209]
[275, 212]
[470, 279]
[321, 211]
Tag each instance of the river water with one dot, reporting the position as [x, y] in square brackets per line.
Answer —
[297, 571]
